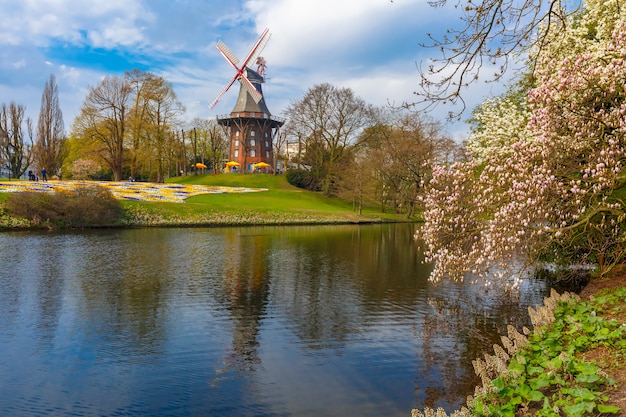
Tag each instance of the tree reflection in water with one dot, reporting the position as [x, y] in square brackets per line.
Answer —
[257, 321]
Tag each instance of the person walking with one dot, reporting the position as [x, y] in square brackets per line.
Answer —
[44, 175]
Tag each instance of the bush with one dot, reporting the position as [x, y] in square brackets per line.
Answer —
[302, 178]
[87, 207]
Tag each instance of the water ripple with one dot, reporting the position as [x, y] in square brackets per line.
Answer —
[263, 322]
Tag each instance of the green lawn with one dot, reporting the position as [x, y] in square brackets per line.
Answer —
[280, 200]
[280, 195]
[281, 203]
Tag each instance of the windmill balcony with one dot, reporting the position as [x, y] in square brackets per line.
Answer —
[251, 115]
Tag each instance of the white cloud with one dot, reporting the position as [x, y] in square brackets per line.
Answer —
[18, 64]
[38, 22]
[325, 31]
[118, 33]
[370, 46]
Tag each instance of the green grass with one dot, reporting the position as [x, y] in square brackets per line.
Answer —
[236, 180]
[280, 195]
[281, 202]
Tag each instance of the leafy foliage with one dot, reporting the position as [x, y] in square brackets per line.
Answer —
[547, 372]
[550, 375]
[302, 178]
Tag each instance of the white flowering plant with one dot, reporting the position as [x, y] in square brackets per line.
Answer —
[545, 177]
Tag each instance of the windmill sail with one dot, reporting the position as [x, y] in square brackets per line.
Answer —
[260, 48]
[228, 54]
[242, 69]
[251, 89]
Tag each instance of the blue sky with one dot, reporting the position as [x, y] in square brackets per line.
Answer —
[370, 46]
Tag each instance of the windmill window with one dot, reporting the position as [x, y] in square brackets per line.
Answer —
[267, 144]
[267, 154]
[252, 133]
[252, 153]
[237, 142]
[265, 134]
[252, 142]
[236, 153]
[252, 114]
[237, 133]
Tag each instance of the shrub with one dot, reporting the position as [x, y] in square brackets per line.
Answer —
[86, 207]
[302, 178]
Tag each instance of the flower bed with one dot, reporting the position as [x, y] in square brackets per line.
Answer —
[138, 191]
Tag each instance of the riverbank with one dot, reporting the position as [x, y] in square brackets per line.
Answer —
[594, 290]
[573, 362]
[208, 200]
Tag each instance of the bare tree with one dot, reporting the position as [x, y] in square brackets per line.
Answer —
[103, 120]
[15, 154]
[134, 121]
[137, 122]
[492, 32]
[163, 108]
[332, 120]
[280, 149]
[49, 150]
[401, 152]
[4, 139]
[448, 151]
[358, 179]
[217, 144]
[414, 147]
[209, 142]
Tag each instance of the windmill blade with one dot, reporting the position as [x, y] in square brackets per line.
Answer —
[241, 70]
[219, 96]
[258, 47]
[250, 88]
[227, 53]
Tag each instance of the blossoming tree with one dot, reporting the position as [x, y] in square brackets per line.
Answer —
[545, 178]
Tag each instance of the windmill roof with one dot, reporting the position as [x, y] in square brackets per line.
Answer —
[245, 102]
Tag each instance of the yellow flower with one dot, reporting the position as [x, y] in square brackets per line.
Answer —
[139, 191]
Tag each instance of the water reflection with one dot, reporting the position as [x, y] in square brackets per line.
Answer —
[265, 321]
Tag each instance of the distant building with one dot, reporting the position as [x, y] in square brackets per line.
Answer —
[294, 150]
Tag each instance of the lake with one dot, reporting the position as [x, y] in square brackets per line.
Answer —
[254, 321]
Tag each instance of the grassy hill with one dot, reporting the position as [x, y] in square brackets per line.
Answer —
[282, 203]
[278, 203]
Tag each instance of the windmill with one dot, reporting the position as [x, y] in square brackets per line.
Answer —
[252, 127]
[241, 73]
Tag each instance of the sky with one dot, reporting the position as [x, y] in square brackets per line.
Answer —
[370, 46]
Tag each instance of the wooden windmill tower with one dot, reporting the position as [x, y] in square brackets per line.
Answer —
[252, 127]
